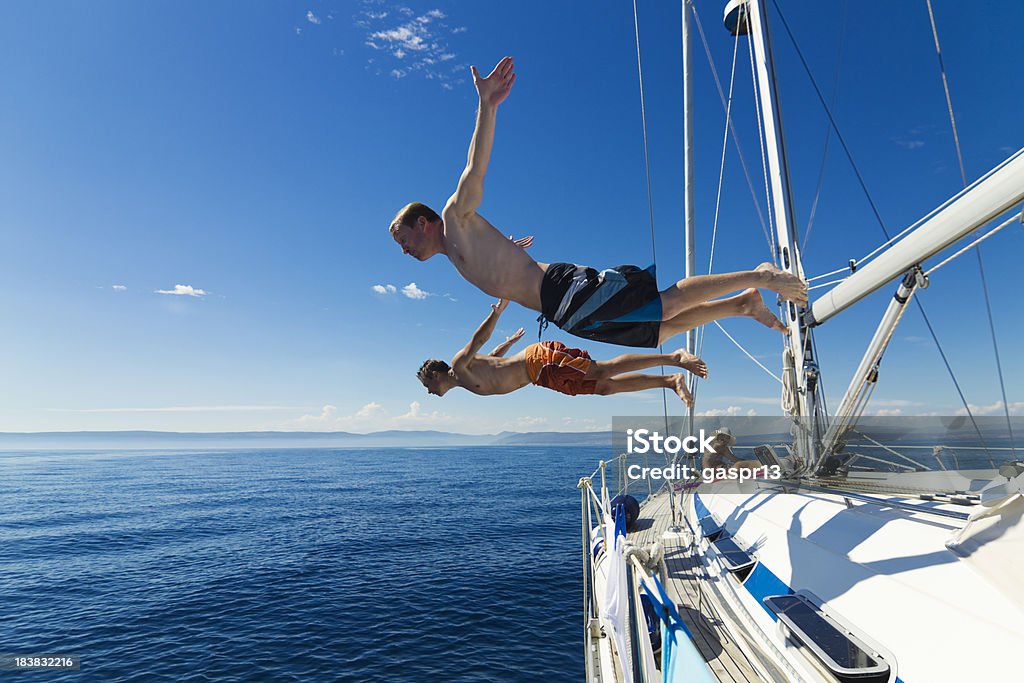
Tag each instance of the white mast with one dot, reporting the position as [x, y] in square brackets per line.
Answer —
[691, 245]
[748, 16]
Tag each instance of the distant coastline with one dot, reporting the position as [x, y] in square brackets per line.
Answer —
[89, 440]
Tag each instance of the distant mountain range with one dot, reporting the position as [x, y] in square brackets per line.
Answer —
[393, 438]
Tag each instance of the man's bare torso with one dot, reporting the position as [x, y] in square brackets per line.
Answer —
[489, 375]
[490, 260]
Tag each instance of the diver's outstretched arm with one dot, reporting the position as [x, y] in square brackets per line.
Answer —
[492, 91]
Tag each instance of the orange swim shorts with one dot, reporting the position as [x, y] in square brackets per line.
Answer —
[555, 366]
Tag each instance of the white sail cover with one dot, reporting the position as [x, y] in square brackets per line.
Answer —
[615, 598]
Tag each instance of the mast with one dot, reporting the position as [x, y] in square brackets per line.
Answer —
[691, 245]
[690, 235]
[750, 17]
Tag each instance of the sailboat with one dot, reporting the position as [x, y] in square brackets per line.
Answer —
[874, 555]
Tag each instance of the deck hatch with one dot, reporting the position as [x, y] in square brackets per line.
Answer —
[838, 648]
[709, 528]
[735, 559]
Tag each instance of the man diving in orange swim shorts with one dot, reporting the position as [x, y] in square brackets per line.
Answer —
[551, 365]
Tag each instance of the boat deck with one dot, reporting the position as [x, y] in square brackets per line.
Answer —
[728, 663]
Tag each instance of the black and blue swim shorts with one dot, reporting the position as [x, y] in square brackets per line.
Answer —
[620, 305]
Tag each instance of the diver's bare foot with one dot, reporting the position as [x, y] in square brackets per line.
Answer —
[679, 382]
[753, 306]
[688, 361]
[786, 285]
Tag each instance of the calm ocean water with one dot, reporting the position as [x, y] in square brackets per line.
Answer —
[326, 564]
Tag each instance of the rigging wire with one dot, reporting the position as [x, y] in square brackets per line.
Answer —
[732, 128]
[748, 354]
[981, 265]
[718, 197]
[832, 121]
[725, 147]
[874, 209]
[1012, 219]
[647, 169]
[828, 131]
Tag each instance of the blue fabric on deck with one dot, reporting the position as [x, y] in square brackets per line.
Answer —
[680, 660]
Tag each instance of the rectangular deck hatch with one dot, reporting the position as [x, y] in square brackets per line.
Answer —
[735, 559]
[709, 528]
[848, 657]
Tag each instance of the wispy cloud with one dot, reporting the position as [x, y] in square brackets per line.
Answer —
[312, 18]
[731, 411]
[407, 43]
[996, 408]
[384, 289]
[118, 288]
[184, 290]
[372, 417]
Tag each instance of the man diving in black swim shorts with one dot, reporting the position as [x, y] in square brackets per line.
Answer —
[619, 306]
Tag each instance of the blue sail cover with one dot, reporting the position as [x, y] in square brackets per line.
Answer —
[680, 660]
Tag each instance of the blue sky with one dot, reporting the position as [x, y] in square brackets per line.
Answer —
[195, 200]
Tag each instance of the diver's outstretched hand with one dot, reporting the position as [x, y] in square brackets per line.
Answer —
[495, 88]
[523, 242]
[500, 306]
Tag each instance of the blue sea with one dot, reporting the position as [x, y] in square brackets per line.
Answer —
[428, 564]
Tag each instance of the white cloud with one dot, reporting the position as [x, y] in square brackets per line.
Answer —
[414, 292]
[312, 18]
[1016, 408]
[418, 43]
[731, 411]
[118, 288]
[372, 417]
[183, 290]
[370, 410]
[888, 412]
[385, 289]
[407, 37]
[417, 416]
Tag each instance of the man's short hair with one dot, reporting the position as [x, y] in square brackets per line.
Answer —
[429, 367]
[408, 214]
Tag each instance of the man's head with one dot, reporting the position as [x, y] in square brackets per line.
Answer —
[433, 374]
[418, 230]
[723, 438]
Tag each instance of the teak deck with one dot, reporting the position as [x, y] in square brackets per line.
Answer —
[728, 663]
